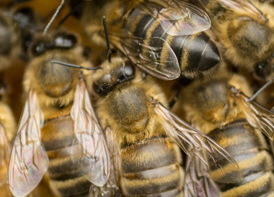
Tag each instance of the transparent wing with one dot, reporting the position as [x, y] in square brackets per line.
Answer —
[192, 141]
[177, 17]
[4, 162]
[4, 148]
[29, 160]
[111, 188]
[197, 179]
[241, 6]
[89, 135]
[156, 57]
[256, 115]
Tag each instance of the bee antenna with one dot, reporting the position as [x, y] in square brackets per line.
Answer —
[74, 65]
[68, 15]
[261, 89]
[107, 39]
[53, 17]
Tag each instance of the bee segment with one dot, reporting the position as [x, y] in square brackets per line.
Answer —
[249, 149]
[202, 54]
[5, 37]
[129, 109]
[56, 80]
[246, 37]
[213, 100]
[210, 57]
[151, 167]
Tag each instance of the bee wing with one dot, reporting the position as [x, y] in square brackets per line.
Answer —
[111, 188]
[29, 160]
[4, 148]
[156, 58]
[256, 115]
[241, 6]
[197, 179]
[177, 17]
[4, 160]
[89, 135]
[192, 141]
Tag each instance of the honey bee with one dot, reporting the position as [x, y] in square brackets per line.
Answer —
[17, 26]
[7, 132]
[218, 107]
[164, 38]
[9, 40]
[145, 136]
[58, 132]
[246, 33]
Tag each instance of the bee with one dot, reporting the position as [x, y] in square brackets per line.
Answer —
[145, 136]
[17, 26]
[9, 40]
[246, 34]
[7, 132]
[164, 38]
[58, 128]
[218, 107]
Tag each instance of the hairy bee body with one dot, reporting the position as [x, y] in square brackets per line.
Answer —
[246, 33]
[66, 178]
[150, 163]
[196, 53]
[228, 118]
[54, 86]
[249, 148]
[135, 32]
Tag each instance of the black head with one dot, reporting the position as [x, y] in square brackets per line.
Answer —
[59, 41]
[120, 73]
[264, 69]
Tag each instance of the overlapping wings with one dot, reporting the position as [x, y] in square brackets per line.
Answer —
[177, 17]
[197, 179]
[193, 142]
[256, 115]
[153, 54]
[29, 160]
[89, 135]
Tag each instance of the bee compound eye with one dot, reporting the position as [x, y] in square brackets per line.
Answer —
[129, 69]
[260, 68]
[65, 41]
[38, 48]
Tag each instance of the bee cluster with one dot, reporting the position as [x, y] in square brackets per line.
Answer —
[137, 98]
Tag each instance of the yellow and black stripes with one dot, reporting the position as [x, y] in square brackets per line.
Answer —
[67, 176]
[195, 53]
[152, 168]
[249, 149]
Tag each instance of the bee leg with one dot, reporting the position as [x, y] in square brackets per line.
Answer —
[176, 93]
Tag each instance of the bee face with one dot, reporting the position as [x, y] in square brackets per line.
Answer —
[51, 79]
[106, 81]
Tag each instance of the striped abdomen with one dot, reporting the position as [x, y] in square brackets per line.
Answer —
[195, 53]
[152, 168]
[67, 179]
[249, 149]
